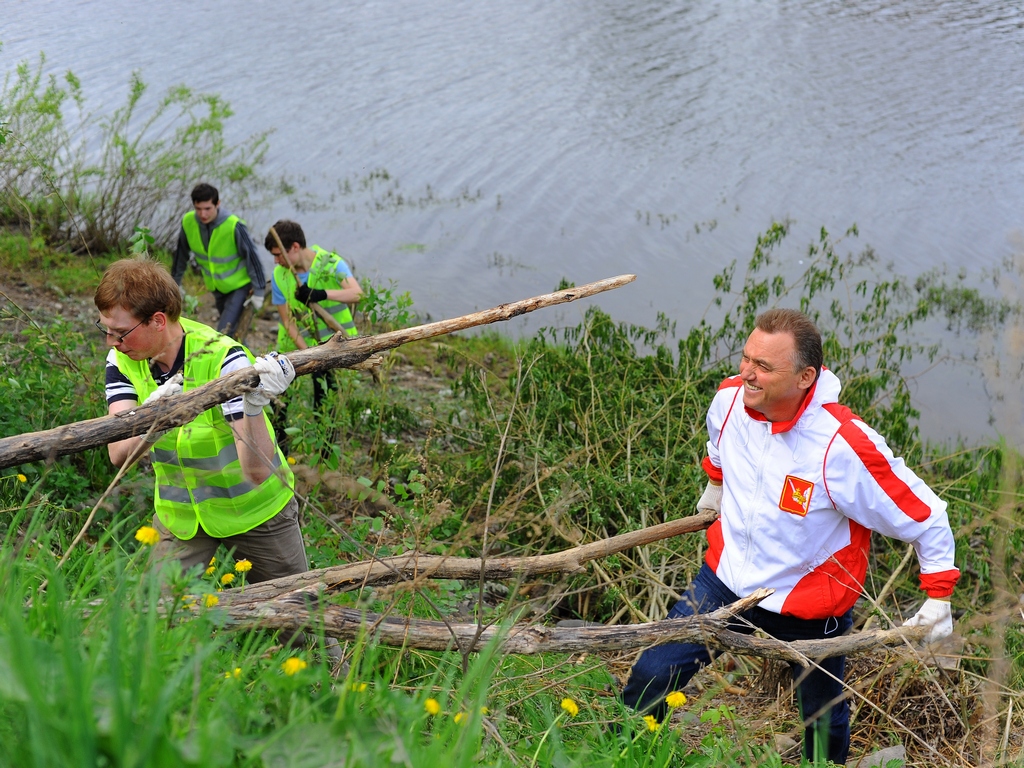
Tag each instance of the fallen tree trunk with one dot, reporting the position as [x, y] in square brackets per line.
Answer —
[293, 612]
[338, 352]
[412, 566]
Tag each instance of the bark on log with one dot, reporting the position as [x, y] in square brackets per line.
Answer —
[293, 612]
[340, 578]
[338, 352]
[799, 651]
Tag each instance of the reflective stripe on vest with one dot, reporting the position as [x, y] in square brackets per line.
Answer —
[222, 267]
[199, 478]
[322, 274]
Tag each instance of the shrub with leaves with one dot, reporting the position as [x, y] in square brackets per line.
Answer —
[84, 180]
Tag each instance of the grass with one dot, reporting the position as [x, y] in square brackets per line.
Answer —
[473, 445]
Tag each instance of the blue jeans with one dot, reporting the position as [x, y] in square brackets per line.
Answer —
[666, 668]
[230, 305]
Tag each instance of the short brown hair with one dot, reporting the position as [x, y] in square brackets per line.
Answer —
[205, 193]
[141, 286]
[805, 334]
[289, 232]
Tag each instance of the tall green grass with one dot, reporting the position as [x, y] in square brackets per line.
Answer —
[524, 448]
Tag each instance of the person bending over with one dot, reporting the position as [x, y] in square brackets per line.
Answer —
[221, 478]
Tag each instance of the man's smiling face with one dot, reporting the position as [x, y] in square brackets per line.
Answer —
[773, 385]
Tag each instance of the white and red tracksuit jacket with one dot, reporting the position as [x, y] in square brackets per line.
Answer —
[800, 500]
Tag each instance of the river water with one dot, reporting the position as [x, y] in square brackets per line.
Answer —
[532, 141]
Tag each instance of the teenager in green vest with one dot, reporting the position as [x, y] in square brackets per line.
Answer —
[225, 254]
[220, 479]
[303, 275]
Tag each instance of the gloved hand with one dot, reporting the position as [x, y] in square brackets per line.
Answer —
[276, 373]
[711, 499]
[256, 302]
[937, 614]
[173, 386]
[306, 295]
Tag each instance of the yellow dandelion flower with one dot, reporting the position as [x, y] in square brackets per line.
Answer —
[358, 687]
[213, 560]
[293, 665]
[652, 723]
[484, 711]
[675, 699]
[291, 460]
[147, 535]
[22, 478]
[235, 673]
[227, 578]
[571, 707]
[210, 570]
[459, 717]
[243, 566]
[210, 600]
[432, 707]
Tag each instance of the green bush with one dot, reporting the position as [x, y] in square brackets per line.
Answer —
[83, 180]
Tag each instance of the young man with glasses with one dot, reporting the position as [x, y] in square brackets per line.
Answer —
[221, 478]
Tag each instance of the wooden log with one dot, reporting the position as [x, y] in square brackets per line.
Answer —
[299, 612]
[338, 352]
[412, 566]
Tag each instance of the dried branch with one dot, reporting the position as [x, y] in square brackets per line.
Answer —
[297, 611]
[412, 566]
[338, 352]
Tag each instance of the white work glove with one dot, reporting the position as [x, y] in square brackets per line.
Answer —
[173, 386]
[256, 302]
[937, 614]
[711, 499]
[276, 373]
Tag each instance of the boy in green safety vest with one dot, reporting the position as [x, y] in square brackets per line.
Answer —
[304, 275]
[221, 478]
[225, 254]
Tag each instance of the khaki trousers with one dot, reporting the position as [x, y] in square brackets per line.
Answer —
[274, 548]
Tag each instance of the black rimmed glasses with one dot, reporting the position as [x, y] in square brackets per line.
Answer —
[119, 336]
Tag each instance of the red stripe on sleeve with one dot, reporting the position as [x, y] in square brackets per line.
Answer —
[878, 466]
[713, 472]
[940, 584]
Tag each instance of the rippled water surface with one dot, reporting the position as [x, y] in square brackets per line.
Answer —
[542, 140]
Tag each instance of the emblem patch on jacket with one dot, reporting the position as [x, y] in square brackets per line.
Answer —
[796, 495]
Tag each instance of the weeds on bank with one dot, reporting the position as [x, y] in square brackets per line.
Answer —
[567, 437]
[56, 184]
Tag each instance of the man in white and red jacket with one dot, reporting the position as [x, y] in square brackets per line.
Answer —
[799, 483]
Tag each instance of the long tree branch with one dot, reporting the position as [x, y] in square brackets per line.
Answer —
[338, 352]
[411, 566]
[294, 612]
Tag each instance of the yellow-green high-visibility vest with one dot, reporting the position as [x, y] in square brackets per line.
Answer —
[222, 267]
[322, 274]
[199, 479]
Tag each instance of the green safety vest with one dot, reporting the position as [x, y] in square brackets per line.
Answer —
[322, 274]
[199, 479]
[222, 267]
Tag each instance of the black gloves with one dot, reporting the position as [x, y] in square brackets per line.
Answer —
[306, 295]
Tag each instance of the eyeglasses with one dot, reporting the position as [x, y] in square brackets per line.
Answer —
[119, 336]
